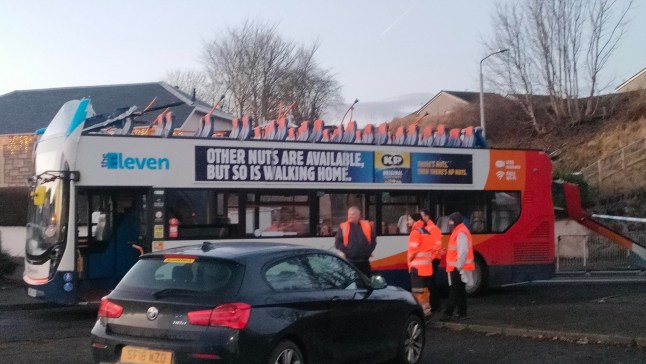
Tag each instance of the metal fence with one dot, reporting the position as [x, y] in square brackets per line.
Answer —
[632, 156]
[590, 252]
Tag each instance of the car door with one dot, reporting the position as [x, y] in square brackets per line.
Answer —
[353, 317]
[297, 305]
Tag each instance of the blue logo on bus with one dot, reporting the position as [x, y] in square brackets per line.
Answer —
[68, 277]
[119, 161]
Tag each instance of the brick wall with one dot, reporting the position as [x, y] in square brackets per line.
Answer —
[16, 159]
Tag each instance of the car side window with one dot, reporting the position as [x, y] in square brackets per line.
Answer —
[334, 273]
[290, 275]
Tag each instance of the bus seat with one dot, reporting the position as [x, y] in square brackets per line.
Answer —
[235, 128]
[478, 222]
[400, 136]
[182, 274]
[382, 136]
[349, 134]
[169, 125]
[291, 134]
[412, 135]
[270, 130]
[337, 134]
[426, 136]
[206, 126]
[467, 137]
[257, 133]
[368, 136]
[325, 137]
[303, 131]
[439, 137]
[454, 138]
[245, 131]
[357, 136]
[479, 140]
[443, 224]
[317, 131]
[281, 129]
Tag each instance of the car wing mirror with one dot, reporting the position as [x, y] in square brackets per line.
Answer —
[378, 282]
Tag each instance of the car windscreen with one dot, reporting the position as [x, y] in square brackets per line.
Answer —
[163, 276]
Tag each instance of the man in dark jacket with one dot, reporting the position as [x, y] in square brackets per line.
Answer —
[356, 240]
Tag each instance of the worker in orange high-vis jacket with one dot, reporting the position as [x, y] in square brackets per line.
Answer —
[356, 240]
[420, 265]
[437, 251]
[460, 265]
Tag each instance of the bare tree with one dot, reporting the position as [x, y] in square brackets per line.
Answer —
[259, 69]
[558, 51]
[189, 80]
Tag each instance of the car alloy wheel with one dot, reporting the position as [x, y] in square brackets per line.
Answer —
[286, 353]
[414, 341]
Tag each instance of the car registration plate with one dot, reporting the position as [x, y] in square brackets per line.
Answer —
[136, 355]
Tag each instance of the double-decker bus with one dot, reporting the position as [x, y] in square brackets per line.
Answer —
[105, 193]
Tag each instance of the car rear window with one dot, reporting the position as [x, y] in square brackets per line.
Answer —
[205, 276]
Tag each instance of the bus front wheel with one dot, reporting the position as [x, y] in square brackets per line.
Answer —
[479, 277]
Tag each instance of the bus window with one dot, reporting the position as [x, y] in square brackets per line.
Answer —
[333, 210]
[271, 215]
[505, 210]
[471, 204]
[395, 208]
[203, 214]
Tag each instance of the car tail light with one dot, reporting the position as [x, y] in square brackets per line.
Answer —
[109, 309]
[233, 315]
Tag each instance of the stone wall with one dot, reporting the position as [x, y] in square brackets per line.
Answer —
[16, 159]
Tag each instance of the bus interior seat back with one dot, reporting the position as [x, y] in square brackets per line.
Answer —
[349, 134]
[400, 136]
[439, 137]
[257, 133]
[270, 130]
[303, 131]
[317, 131]
[426, 136]
[245, 131]
[325, 136]
[182, 274]
[443, 224]
[127, 127]
[468, 139]
[281, 129]
[480, 140]
[337, 134]
[168, 125]
[454, 138]
[209, 123]
[412, 135]
[358, 135]
[368, 136]
[382, 136]
[291, 134]
[478, 222]
[235, 128]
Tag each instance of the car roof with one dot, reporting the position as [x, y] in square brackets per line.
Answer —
[237, 250]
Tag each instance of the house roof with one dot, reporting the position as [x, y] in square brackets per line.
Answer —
[464, 96]
[25, 111]
[630, 80]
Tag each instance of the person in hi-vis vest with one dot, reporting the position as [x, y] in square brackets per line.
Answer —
[356, 240]
[435, 237]
[420, 265]
[460, 265]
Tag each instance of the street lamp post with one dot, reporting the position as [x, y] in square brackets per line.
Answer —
[482, 115]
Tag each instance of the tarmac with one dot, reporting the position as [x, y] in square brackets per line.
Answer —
[584, 309]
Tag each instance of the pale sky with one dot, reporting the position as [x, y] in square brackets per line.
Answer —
[378, 49]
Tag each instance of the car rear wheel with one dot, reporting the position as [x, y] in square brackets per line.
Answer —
[412, 343]
[286, 352]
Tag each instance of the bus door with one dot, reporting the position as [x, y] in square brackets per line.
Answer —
[112, 230]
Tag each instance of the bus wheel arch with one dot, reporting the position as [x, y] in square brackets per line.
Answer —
[480, 276]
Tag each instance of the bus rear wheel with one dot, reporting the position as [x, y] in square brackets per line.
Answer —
[479, 278]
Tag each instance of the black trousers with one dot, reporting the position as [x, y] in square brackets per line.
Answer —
[363, 266]
[436, 300]
[457, 295]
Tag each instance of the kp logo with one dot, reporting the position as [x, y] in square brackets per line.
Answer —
[392, 160]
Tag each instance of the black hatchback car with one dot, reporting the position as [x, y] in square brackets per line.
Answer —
[255, 303]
